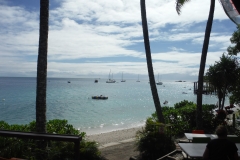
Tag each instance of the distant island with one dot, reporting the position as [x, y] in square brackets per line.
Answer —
[180, 81]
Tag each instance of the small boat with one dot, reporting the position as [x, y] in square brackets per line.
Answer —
[138, 79]
[96, 81]
[99, 97]
[69, 82]
[165, 102]
[159, 82]
[122, 78]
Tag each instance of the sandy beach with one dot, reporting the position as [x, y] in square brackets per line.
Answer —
[117, 145]
[114, 137]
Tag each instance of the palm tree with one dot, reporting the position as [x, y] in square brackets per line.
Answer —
[208, 29]
[42, 68]
[149, 63]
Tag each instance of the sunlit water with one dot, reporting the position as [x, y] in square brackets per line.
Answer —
[128, 105]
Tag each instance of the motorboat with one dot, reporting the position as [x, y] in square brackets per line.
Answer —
[99, 97]
[165, 102]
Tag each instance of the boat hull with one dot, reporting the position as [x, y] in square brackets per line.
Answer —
[99, 97]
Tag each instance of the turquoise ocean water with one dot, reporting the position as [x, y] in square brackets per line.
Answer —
[129, 103]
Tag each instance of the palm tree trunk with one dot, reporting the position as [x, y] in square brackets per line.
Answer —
[224, 93]
[42, 68]
[219, 99]
[149, 63]
[202, 65]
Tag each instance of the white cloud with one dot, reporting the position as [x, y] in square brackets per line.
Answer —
[100, 30]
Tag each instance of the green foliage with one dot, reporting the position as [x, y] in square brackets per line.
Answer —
[223, 75]
[234, 50]
[235, 94]
[235, 39]
[154, 140]
[56, 150]
[182, 104]
[209, 119]
[89, 150]
[182, 117]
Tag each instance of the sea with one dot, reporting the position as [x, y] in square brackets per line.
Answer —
[128, 105]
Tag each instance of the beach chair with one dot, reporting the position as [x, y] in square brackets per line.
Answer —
[198, 131]
[201, 139]
[234, 139]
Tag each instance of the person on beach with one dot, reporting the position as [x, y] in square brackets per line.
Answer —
[221, 148]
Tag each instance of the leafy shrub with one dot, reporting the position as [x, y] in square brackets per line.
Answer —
[151, 142]
[182, 104]
[55, 150]
[209, 119]
[182, 117]
[179, 119]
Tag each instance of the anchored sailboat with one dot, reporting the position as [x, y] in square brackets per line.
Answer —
[159, 82]
[122, 78]
[138, 79]
[110, 80]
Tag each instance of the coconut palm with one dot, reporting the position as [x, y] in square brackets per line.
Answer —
[149, 63]
[208, 29]
[42, 68]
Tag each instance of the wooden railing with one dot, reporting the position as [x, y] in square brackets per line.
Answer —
[46, 136]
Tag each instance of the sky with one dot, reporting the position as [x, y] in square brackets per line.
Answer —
[92, 38]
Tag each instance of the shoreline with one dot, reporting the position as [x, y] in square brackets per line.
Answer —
[114, 137]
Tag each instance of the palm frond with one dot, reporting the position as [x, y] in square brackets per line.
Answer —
[179, 4]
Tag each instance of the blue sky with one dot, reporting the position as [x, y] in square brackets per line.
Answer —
[89, 38]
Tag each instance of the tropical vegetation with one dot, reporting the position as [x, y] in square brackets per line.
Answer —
[223, 75]
[157, 139]
[55, 150]
[234, 50]
[235, 40]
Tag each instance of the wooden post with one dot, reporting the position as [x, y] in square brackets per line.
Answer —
[77, 150]
[233, 121]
